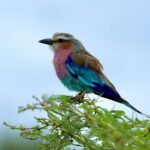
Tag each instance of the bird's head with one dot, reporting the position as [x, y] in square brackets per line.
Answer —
[59, 40]
[62, 41]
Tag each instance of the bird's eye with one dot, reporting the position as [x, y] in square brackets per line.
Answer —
[61, 40]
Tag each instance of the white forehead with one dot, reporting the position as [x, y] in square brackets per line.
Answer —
[65, 36]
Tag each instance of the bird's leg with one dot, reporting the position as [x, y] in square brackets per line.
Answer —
[79, 98]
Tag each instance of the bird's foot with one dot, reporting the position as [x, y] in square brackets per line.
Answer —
[79, 98]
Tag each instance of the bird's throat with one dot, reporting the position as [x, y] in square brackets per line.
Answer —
[60, 57]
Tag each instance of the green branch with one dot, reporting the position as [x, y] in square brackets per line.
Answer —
[85, 125]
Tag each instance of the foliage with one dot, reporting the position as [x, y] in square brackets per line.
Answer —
[85, 125]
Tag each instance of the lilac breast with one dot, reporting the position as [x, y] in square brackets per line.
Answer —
[60, 57]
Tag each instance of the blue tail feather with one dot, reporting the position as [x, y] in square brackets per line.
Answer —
[109, 93]
[130, 106]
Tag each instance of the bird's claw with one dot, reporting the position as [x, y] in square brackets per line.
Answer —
[79, 98]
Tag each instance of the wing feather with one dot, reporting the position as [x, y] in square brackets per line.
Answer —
[88, 70]
[83, 59]
[89, 61]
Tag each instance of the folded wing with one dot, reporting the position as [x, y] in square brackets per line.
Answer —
[88, 70]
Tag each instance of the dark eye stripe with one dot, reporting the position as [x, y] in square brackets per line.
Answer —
[60, 41]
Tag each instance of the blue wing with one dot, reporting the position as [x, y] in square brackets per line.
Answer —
[91, 79]
[99, 84]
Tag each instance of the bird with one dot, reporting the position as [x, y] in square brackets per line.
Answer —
[80, 71]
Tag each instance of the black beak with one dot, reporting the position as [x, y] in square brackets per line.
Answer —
[46, 41]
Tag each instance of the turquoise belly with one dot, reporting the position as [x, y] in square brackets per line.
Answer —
[75, 85]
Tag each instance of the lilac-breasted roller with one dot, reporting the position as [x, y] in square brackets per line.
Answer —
[79, 70]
